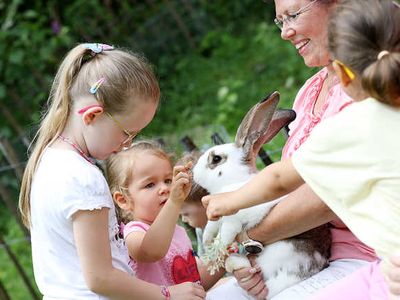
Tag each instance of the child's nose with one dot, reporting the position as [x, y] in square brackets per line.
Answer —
[164, 188]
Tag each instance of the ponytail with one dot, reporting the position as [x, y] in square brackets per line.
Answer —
[381, 79]
[52, 124]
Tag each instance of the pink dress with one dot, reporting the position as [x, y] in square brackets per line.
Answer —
[179, 264]
[367, 283]
[344, 243]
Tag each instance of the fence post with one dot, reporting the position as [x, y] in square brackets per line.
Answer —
[180, 24]
[19, 268]
[3, 292]
[188, 144]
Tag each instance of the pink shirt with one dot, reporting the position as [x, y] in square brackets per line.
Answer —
[344, 242]
[179, 264]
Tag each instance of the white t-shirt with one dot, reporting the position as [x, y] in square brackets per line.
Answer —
[63, 184]
[352, 162]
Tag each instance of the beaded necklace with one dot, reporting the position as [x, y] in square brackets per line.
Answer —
[77, 148]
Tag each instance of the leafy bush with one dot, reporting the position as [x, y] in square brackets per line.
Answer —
[214, 59]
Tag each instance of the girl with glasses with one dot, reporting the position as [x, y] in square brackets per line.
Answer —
[65, 200]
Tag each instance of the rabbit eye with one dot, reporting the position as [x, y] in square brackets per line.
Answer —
[216, 159]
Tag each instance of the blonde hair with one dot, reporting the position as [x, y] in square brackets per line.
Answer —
[119, 168]
[126, 73]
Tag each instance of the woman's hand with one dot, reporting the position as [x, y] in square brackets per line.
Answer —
[393, 277]
[251, 280]
[219, 205]
[187, 291]
[181, 183]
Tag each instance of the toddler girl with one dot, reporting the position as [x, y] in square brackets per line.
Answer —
[150, 194]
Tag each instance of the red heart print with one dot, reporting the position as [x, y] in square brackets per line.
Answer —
[184, 270]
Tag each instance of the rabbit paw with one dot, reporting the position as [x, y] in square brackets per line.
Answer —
[235, 262]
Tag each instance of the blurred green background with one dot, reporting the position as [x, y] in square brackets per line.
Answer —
[214, 60]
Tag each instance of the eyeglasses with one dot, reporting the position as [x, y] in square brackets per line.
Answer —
[291, 18]
[127, 143]
[346, 69]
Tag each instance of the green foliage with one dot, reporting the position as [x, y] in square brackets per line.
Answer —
[238, 71]
[214, 59]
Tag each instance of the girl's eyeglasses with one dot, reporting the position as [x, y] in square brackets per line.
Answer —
[291, 18]
[127, 143]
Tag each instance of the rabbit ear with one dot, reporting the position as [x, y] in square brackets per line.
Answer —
[280, 119]
[261, 124]
[256, 121]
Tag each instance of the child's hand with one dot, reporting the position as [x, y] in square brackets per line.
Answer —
[181, 183]
[219, 205]
[187, 291]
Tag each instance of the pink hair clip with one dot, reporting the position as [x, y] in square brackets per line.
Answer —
[98, 47]
[93, 89]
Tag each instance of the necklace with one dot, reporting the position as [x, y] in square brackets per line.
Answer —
[77, 148]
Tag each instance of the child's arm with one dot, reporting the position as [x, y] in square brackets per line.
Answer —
[276, 180]
[154, 244]
[91, 236]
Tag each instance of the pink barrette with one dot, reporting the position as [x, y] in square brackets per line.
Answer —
[93, 89]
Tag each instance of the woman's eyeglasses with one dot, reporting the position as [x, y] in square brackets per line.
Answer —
[291, 18]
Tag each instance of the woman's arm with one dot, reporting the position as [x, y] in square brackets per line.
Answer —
[154, 244]
[276, 180]
[393, 277]
[208, 280]
[91, 236]
[303, 208]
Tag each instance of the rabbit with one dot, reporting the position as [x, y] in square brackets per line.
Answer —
[227, 167]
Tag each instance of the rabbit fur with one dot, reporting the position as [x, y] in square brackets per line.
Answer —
[227, 167]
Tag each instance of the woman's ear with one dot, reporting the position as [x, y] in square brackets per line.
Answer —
[91, 114]
[121, 200]
[342, 73]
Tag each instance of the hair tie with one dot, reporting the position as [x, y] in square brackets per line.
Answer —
[382, 54]
[93, 89]
[98, 47]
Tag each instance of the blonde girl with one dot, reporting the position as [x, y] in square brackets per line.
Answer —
[150, 194]
[100, 99]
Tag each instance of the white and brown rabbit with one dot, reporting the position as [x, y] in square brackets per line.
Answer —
[227, 167]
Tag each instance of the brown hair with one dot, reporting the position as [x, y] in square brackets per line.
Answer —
[358, 35]
[119, 169]
[126, 73]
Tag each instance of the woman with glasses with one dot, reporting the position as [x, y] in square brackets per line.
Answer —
[304, 24]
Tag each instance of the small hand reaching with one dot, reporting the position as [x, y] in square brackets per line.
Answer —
[219, 205]
[187, 291]
[181, 183]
